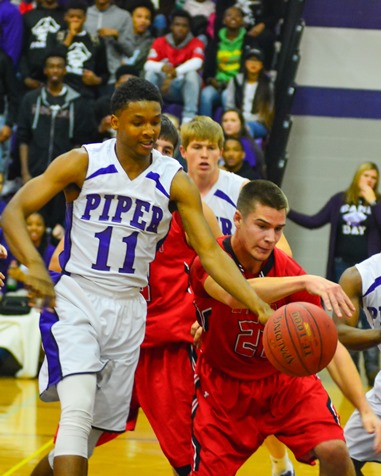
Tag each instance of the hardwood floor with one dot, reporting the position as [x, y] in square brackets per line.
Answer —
[27, 426]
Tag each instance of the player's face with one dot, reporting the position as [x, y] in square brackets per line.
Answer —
[202, 158]
[141, 20]
[165, 147]
[138, 127]
[368, 178]
[257, 234]
[233, 153]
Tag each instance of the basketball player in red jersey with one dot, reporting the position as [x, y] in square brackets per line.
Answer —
[241, 398]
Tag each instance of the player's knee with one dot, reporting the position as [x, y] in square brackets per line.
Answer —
[333, 452]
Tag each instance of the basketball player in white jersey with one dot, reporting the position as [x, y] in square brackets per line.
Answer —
[118, 197]
[362, 283]
[219, 189]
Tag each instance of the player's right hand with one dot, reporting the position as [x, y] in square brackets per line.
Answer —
[40, 287]
[264, 312]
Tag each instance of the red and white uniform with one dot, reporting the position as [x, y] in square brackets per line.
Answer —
[241, 397]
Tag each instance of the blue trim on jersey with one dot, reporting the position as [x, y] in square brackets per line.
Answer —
[376, 284]
[110, 169]
[223, 196]
[156, 178]
[65, 254]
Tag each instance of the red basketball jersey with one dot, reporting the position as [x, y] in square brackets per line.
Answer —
[170, 300]
[232, 338]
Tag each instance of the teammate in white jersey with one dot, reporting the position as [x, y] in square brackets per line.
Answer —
[118, 198]
[362, 283]
[219, 189]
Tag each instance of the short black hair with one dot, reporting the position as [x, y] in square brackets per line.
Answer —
[265, 192]
[55, 53]
[168, 131]
[134, 4]
[177, 12]
[76, 5]
[134, 90]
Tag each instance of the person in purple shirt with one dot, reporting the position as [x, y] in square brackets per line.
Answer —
[11, 30]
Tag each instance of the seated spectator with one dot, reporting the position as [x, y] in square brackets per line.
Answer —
[252, 93]
[102, 104]
[114, 25]
[203, 13]
[9, 102]
[36, 227]
[86, 62]
[223, 59]
[261, 19]
[47, 17]
[142, 13]
[52, 120]
[174, 62]
[233, 125]
[233, 156]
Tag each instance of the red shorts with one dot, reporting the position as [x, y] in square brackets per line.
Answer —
[233, 417]
[164, 389]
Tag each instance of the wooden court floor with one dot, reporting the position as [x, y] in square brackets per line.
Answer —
[27, 426]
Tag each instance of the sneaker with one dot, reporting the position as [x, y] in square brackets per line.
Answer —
[288, 473]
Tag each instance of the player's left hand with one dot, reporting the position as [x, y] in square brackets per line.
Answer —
[372, 424]
[3, 252]
[332, 294]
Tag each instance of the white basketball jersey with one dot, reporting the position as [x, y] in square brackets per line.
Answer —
[116, 224]
[370, 271]
[222, 199]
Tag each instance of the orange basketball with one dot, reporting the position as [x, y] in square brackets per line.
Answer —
[300, 339]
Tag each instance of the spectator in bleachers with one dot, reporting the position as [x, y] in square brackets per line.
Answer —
[233, 156]
[8, 109]
[103, 106]
[114, 25]
[86, 62]
[48, 17]
[261, 18]
[223, 59]
[142, 12]
[203, 14]
[233, 125]
[252, 93]
[11, 30]
[52, 120]
[174, 63]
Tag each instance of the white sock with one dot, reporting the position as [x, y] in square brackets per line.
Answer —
[281, 465]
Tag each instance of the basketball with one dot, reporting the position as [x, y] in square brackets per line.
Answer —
[300, 339]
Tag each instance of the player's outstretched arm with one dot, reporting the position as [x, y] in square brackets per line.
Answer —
[272, 289]
[215, 261]
[70, 168]
[351, 336]
[344, 373]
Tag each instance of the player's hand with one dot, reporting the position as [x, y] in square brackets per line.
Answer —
[332, 294]
[372, 425]
[3, 252]
[196, 332]
[264, 312]
[40, 287]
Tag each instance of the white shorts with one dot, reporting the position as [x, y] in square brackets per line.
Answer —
[359, 442]
[92, 332]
